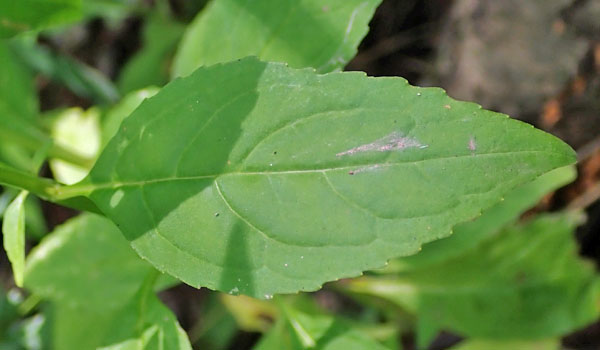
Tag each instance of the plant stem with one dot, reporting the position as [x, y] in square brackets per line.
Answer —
[34, 142]
[44, 188]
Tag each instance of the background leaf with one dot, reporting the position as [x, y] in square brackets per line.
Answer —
[525, 283]
[322, 34]
[13, 230]
[150, 66]
[249, 177]
[308, 328]
[24, 15]
[504, 345]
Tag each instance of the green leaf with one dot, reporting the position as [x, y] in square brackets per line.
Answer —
[18, 98]
[142, 323]
[24, 15]
[153, 326]
[18, 109]
[526, 283]
[469, 235]
[80, 78]
[90, 250]
[101, 291]
[19, 125]
[250, 177]
[217, 327]
[299, 330]
[512, 345]
[150, 66]
[13, 229]
[322, 34]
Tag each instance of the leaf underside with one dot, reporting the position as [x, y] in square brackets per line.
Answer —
[256, 178]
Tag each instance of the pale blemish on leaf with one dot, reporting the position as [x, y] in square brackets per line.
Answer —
[472, 144]
[116, 198]
[364, 169]
[392, 142]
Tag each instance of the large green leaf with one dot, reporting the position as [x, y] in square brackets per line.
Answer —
[322, 34]
[526, 283]
[13, 230]
[23, 15]
[100, 290]
[256, 178]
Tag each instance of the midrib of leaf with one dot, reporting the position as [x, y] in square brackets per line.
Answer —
[86, 188]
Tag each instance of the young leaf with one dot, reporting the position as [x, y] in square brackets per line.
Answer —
[322, 34]
[256, 178]
[13, 229]
[78, 131]
[24, 15]
[526, 283]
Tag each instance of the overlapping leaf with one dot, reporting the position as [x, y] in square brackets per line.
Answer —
[255, 178]
[322, 34]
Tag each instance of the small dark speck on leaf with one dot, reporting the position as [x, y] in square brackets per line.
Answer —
[351, 172]
[217, 214]
[275, 153]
